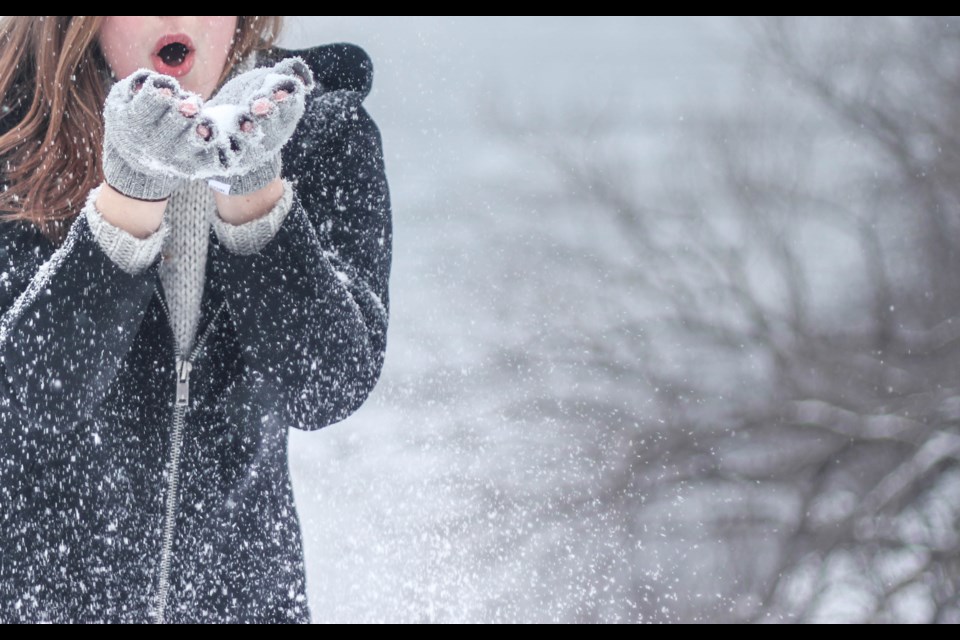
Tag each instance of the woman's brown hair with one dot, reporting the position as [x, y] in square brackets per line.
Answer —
[52, 87]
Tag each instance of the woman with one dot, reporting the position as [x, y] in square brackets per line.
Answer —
[158, 338]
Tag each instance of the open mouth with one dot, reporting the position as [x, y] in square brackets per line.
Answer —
[173, 55]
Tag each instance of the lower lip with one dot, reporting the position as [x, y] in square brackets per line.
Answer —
[181, 69]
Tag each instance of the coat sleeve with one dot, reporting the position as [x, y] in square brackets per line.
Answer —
[69, 318]
[311, 306]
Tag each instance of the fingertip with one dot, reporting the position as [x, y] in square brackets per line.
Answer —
[189, 108]
[261, 107]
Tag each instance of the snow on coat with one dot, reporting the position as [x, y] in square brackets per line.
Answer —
[114, 495]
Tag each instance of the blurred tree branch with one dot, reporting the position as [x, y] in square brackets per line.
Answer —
[770, 328]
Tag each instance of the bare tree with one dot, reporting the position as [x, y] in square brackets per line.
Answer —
[759, 341]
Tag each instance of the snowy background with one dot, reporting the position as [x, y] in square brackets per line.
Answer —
[615, 391]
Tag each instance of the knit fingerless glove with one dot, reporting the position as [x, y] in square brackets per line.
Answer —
[154, 137]
[254, 114]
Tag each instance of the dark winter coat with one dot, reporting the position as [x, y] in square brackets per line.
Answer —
[113, 490]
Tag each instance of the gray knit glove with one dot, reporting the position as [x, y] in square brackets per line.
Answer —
[254, 114]
[154, 136]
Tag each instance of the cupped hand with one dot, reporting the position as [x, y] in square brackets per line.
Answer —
[154, 135]
[250, 119]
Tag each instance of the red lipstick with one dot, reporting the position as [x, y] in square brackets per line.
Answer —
[173, 55]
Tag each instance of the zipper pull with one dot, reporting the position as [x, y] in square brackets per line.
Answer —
[183, 382]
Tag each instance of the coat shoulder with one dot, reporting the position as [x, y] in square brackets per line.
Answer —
[335, 66]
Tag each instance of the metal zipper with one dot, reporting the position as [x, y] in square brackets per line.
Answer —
[182, 401]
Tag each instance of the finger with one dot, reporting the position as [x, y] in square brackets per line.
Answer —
[296, 68]
[205, 131]
[261, 107]
[188, 108]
